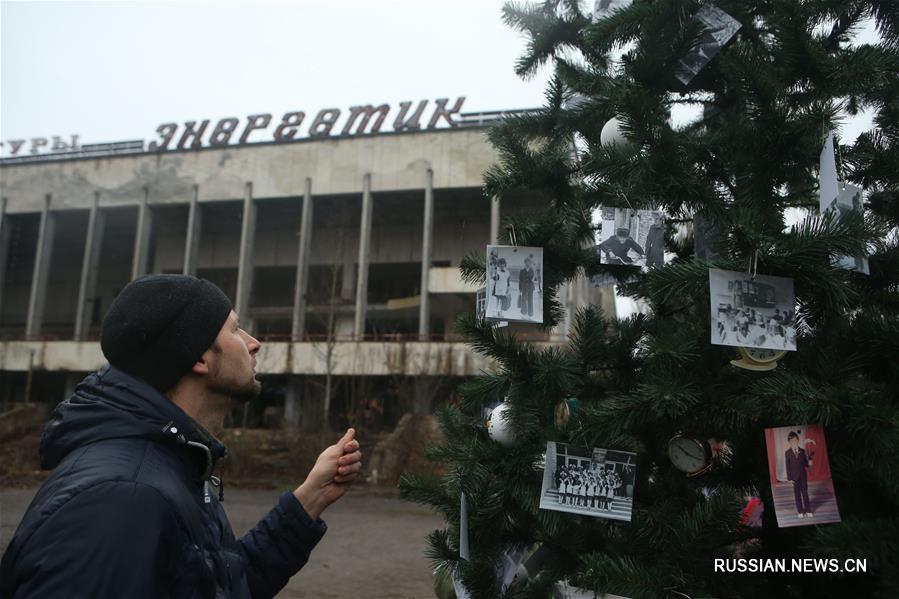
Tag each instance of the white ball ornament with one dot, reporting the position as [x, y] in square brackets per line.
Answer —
[611, 133]
[499, 427]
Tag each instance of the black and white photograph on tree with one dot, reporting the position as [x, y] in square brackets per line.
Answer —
[564, 590]
[752, 311]
[719, 27]
[514, 283]
[631, 237]
[607, 279]
[842, 198]
[849, 199]
[604, 8]
[588, 481]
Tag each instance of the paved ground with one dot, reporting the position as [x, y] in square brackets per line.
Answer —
[374, 547]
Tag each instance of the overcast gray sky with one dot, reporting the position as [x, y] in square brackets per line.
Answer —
[112, 71]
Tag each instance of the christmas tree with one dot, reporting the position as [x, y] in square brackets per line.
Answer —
[741, 185]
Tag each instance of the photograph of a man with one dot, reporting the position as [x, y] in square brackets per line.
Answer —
[133, 505]
[526, 279]
[799, 469]
[631, 237]
[616, 249]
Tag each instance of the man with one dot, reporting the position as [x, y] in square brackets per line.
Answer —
[129, 510]
[526, 287]
[655, 241]
[616, 248]
[797, 472]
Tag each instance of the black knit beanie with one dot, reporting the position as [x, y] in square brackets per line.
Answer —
[159, 325]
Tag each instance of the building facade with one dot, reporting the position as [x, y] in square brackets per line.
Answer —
[340, 254]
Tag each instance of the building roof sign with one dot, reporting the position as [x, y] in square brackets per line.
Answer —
[256, 128]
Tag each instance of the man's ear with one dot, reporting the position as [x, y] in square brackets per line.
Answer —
[201, 366]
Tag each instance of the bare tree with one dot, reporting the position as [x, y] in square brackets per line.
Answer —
[325, 349]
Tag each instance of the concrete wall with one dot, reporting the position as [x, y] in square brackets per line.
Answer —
[458, 158]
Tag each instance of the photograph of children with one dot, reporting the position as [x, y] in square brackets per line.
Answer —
[632, 237]
[848, 200]
[719, 27]
[515, 283]
[752, 312]
[800, 476]
[591, 482]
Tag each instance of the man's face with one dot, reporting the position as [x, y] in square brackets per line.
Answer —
[794, 443]
[232, 362]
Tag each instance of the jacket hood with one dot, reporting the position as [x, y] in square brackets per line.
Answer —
[111, 404]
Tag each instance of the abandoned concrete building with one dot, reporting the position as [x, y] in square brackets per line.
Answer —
[340, 254]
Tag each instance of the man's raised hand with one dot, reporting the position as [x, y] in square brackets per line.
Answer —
[336, 467]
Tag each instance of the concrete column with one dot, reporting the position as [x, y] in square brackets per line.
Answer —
[347, 280]
[494, 220]
[424, 308]
[5, 227]
[292, 401]
[302, 280]
[364, 250]
[41, 272]
[90, 264]
[607, 302]
[192, 241]
[141, 256]
[245, 262]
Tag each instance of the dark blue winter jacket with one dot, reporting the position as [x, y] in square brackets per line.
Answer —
[129, 511]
